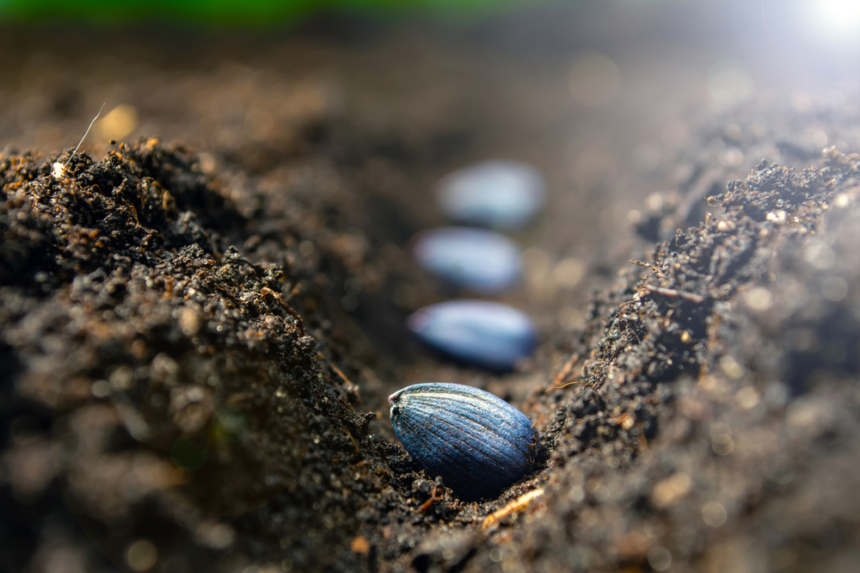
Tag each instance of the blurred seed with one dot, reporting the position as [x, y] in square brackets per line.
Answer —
[476, 259]
[500, 194]
[487, 334]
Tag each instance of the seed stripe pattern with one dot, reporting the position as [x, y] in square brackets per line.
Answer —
[476, 441]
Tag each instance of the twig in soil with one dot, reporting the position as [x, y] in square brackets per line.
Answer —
[515, 506]
[649, 265]
[58, 170]
[266, 291]
[565, 385]
[713, 329]
[672, 293]
[351, 439]
[349, 385]
[295, 290]
[563, 374]
[427, 504]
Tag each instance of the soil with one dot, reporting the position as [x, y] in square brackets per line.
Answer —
[199, 325]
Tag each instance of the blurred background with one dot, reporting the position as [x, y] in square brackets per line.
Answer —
[613, 101]
[606, 98]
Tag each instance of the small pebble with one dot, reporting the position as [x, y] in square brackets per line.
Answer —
[500, 194]
[486, 334]
[477, 442]
[475, 259]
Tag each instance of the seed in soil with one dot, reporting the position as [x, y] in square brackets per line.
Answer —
[499, 194]
[477, 442]
[474, 259]
[486, 334]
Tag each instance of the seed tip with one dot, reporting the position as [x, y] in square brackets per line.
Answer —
[393, 398]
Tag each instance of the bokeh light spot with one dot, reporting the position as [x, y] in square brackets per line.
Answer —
[141, 555]
[118, 123]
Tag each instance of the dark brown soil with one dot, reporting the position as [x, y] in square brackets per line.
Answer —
[197, 338]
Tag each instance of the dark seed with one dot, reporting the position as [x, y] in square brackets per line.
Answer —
[474, 259]
[485, 334]
[501, 194]
[477, 442]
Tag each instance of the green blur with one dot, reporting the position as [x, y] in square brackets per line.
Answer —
[233, 12]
